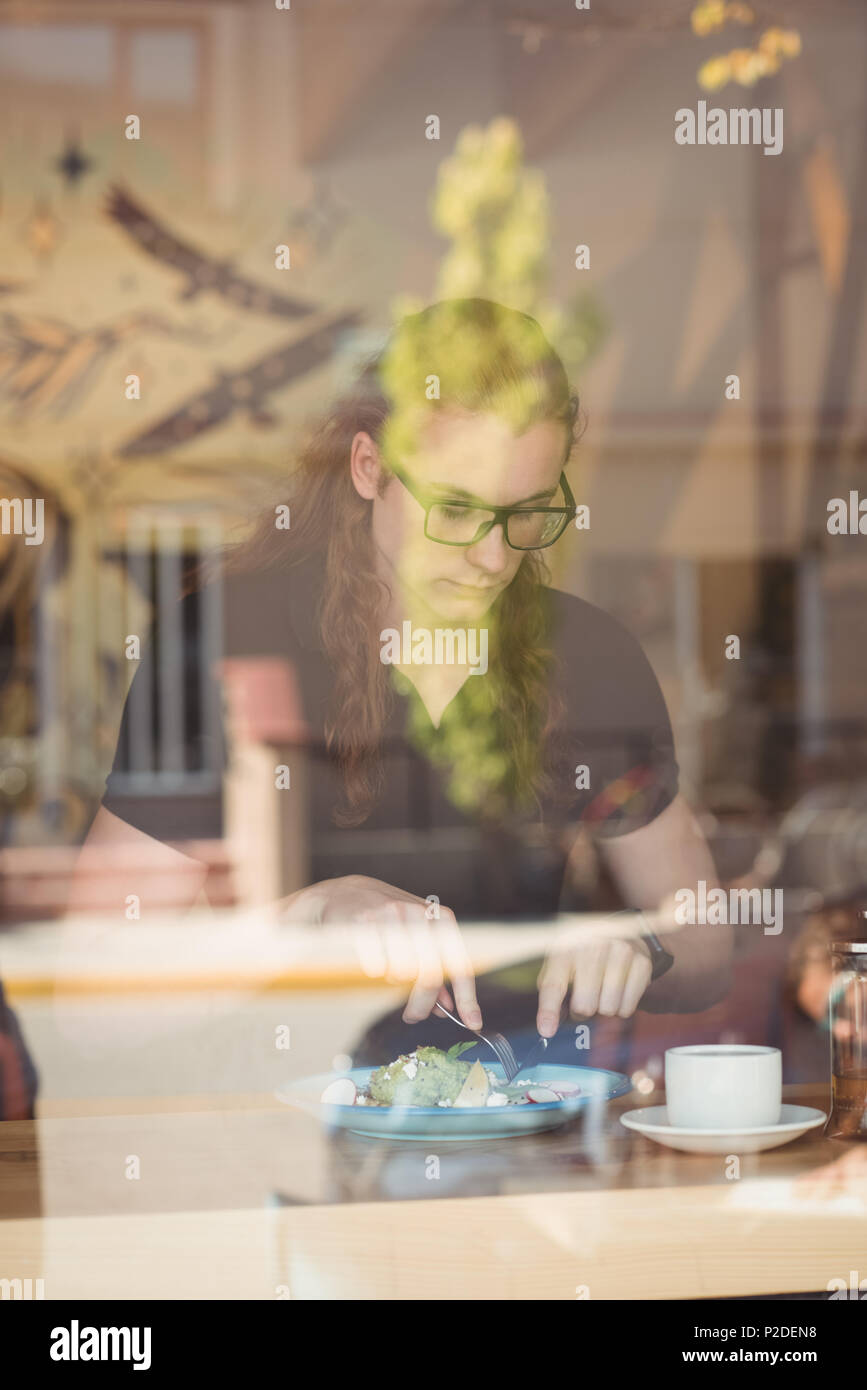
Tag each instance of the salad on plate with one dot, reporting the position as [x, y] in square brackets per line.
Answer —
[428, 1077]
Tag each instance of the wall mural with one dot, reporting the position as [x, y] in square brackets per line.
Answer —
[72, 438]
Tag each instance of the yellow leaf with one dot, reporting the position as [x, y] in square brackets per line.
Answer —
[713, 74]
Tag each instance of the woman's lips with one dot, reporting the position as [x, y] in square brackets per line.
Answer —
[474, 590]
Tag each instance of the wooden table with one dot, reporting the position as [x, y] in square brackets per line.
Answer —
[244, 1199]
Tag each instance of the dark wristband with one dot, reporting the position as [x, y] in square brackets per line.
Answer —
[661, 959]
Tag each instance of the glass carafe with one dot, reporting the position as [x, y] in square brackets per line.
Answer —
[848, 1024]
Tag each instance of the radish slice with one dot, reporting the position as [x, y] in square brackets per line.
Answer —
[542, 1095]
[339, 1092]
[564, 1088]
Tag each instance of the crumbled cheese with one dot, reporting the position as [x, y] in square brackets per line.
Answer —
[443, 1102]
[360, 1099]
[410, 1070]
[497, 1098]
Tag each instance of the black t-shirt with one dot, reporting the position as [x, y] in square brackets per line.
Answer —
[424, 834]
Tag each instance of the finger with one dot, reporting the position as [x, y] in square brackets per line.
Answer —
[445, 999]
[370, 950]
[588, 966]
[421, 1001]
[429, 976]
[553, 986]
[637, 981]
[402, 962]
[464, 987]
[402, 957]
[619, 959]
[457, 967]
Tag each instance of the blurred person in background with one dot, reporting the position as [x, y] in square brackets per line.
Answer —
[18, 1077]
[807, 988]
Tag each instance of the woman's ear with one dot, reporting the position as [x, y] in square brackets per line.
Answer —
[365, 466]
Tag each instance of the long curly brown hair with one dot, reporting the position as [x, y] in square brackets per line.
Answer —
[485, 358]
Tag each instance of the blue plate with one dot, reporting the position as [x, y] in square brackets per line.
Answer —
[445, 1122]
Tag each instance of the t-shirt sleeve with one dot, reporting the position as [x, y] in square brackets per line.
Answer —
[165, 778]
[625, 765]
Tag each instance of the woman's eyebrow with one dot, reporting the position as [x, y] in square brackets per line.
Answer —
[459, 493]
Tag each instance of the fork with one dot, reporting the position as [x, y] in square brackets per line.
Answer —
[500, 1046]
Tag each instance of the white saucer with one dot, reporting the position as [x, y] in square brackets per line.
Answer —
[795, 1120]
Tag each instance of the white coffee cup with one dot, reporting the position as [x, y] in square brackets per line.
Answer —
[723, 1086]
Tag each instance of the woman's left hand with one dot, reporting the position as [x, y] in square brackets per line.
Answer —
[602, 976]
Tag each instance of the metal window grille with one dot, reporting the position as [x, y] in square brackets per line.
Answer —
[172, 721]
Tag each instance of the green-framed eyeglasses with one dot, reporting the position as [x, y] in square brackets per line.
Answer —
[465, 522]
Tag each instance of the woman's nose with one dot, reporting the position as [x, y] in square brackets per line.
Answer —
[491, 552]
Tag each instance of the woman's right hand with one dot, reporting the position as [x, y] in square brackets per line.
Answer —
[398, 937]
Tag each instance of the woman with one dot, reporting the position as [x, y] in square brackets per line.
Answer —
[409, 594]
